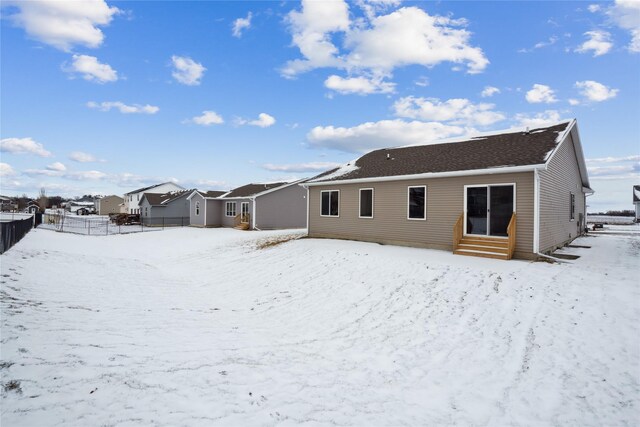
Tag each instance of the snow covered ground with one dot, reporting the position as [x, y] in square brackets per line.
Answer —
[201, 327]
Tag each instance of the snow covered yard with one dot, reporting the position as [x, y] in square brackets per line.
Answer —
[200, 327]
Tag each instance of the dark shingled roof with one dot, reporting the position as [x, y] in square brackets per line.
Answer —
[211, 193]
[139, 190]
[252, 189]
[482, 152]
[155, 199]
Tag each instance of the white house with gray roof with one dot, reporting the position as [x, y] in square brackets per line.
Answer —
[132, 198]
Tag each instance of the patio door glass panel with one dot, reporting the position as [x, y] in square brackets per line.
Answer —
[477, 210]
[500, 209]
[244, 212]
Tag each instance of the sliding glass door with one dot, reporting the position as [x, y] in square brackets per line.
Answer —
[489, 209]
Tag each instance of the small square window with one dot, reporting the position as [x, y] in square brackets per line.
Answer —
[330, 203]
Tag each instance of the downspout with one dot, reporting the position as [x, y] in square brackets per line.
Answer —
[307, 188]
[536, 212]
[205, 213]
[253, 215]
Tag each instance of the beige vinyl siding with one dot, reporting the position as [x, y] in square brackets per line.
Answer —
[444, 201]
[109, 204]
[286, 208]
[561, 178]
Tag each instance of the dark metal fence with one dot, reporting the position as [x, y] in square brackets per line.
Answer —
[13, 231]
[178, 221]
[103, 226]
[89, 225]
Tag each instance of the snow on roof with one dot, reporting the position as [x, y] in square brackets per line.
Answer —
[338, 172]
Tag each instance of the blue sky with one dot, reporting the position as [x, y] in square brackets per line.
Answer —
[105, 97]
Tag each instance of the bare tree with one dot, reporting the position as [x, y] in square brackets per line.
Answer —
[42, 199]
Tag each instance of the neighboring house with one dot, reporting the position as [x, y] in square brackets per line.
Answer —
[108, 205]
[80, 207]
[7, 204]
[200, 216]
[497, 195]
[132, 198]
[636, 201]
[167, 209]
[32, 208]
[267, 206]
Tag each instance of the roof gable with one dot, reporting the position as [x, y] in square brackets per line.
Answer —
[251, 190]
[499, 150]
[155, 199]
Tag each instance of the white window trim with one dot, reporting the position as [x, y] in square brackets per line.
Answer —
[226, 209]
[373, 197]
[330, 191]
[464, 206]
[572, 198]
[425, 202]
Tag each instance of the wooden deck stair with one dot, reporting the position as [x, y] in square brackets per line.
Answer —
[484, 246]
[488, 247]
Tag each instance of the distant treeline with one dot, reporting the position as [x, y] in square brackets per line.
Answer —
[614, 213]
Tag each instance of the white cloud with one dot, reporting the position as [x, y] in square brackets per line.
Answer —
[573, 101]
[386, 133]
[372, 7]
[489, 91]
[57, 166]
[358, 85]
[422, 81]
[594, 91]
[85, 175]
[457, 111]
[407, 36]
[23, 146]
[91, 69]
[42, 172]
[124, 108]
[593, 8]
[301, 167]
[551, 41]
[187, 71]
[546, 118]
[207, 118]
[63, 24]
[599, 42]
[411, 36]
[264, 120]
[241, 24]
[541, 93]
[626, 15]
[81, 157]
[311, 29]
[632, 158]
[6, 170]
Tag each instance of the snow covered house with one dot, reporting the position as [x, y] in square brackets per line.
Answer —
[265, 206]
[500, 195]
[132, 198]
[636, 201]
[168, 209]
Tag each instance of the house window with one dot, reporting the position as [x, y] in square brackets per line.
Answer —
[138, 197]
[230, 207]
[417, 206]
[366, 203]
[146, 211]
[197, 208]
[330, 203]
[572, 206]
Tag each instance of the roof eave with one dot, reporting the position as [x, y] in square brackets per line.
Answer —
[470, 172]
